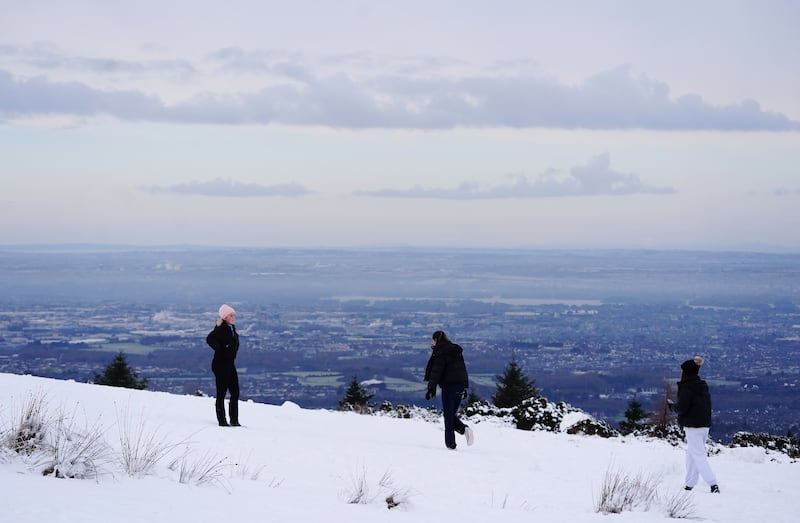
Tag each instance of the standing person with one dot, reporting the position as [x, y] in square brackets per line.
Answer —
[446, 368]
[694, 415]
[225, 341]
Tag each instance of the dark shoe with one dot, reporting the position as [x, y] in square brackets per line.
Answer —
[715, 489]
[223, 424]
[687, 488]
[235, 424]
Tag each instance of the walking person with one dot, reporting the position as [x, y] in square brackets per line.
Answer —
[225, 341]
[446, 369]
[694, 415]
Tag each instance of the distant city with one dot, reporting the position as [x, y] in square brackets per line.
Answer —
[593, 328]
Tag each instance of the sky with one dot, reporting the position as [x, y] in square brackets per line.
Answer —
[288, 464]
[509, 124]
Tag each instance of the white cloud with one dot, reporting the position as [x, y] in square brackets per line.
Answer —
[593, 179]
[294, 94]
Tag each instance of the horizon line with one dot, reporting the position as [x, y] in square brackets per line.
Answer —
[74, 246]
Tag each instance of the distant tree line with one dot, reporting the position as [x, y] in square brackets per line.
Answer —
[512, 388]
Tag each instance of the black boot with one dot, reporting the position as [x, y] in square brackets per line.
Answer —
[233, 407]
[221, 415]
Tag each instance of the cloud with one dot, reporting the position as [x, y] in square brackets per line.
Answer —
[784, 191]
[47, 57]
[231, 189]
[294, 95]
[237, 60]
[38, 96]
[596, 178]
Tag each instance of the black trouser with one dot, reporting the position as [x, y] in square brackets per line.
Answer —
[451, 400]
[227, 380]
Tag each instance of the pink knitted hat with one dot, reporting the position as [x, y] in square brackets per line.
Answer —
[225, 310]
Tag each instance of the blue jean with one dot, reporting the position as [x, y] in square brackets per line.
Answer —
[451, 401]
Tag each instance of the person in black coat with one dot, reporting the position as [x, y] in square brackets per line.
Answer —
[446, 369]
[694, 415]
[225, 341]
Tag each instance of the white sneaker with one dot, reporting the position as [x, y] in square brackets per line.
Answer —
[470, 436]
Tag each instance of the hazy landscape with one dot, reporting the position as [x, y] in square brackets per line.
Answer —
[594, 328]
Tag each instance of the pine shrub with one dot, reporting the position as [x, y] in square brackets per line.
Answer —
[119, 374]
[513, 386]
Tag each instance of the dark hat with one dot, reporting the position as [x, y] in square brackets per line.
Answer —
[439, 335]
[692, 367]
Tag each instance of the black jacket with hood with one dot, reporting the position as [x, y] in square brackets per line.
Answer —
[225, 341]
[694, 403]
[446, 365]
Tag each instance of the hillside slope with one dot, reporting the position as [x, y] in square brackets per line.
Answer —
[294, 465]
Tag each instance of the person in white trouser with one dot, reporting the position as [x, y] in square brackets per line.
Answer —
[694, 415]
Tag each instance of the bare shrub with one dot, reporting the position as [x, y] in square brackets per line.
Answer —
[141, 449]
[358, 491]
[5, 455]
[55, 444]
[203, 470]
[395, 496]
[28, 430]
[503, 504]
[71, 452]
[680, 505]
[244, 469]
[620, 491]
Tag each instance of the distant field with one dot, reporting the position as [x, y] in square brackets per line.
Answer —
[336, 379]
[486, 380]
[724, 383]
[401, 385]
[127, 348]
[318, 379]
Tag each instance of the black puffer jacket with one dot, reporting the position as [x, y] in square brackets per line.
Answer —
[694, 403]
[225, 341]
[446, 365]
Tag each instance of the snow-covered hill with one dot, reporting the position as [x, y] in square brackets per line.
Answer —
[293, 465]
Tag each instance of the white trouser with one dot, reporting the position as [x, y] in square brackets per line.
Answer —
[696, 457]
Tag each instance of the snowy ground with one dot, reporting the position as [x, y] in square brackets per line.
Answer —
[293, 465]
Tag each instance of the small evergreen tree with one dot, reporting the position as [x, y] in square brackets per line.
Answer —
[513, 386]
[356, 397]
[634, 417]
[119, 374]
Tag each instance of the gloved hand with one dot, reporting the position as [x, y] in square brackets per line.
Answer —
[430, 394]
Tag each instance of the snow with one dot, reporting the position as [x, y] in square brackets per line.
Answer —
[572, 418]
[289, 464]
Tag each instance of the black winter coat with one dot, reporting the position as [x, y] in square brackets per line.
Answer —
[694, 403]
[446, 365]
[225, 341]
